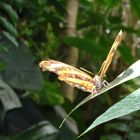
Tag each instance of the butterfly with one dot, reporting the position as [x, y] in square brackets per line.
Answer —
[78, 78]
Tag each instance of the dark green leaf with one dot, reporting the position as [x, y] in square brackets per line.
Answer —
[18, 4]
[20, 70]
[126, 54]
[8, 26]
[112, 3]
[111, 137]
[10, 12]
[4, 138]
[40, 131]
[50, 94]
[118, 126]
[8, 98]
[11, 38]
[85, 44]
[134, 136]
[135, 5]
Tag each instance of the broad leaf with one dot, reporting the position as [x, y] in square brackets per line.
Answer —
[41, 131]
[11, 38]
[127, 105]
[8, 26]
[85, 44]
[8, 98]
[131, 73]
[9, 11]
[20, 71]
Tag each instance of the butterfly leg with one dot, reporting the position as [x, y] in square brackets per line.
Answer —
[94, 91]
[105, 83]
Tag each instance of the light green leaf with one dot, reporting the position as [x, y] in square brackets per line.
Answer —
[127, 105]
[131, 73]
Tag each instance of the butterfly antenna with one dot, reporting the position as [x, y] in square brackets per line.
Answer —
[86, 71]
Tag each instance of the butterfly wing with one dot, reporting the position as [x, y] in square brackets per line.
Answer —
[69, 74]
[110, 55]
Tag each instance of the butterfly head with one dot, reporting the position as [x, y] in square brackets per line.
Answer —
[46, 65]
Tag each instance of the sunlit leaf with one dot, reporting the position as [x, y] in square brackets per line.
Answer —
[127, 105]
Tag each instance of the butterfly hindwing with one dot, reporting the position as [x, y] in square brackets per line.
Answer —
[69, 74]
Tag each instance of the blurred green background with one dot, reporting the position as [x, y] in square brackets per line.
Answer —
[79, 33]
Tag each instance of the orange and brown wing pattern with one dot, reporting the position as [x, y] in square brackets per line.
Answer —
[69, 74]
[107, 62]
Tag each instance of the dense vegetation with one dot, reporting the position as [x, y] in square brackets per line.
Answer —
[79, 33]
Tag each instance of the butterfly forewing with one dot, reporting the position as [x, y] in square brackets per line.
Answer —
[69, 74]
[81, 84]
[107, 62]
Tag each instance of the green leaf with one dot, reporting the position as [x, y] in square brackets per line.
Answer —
[10, 12]
[40, 131]
[85, 44]
[111, 137]
[126, 54]
[11, 38]
[4, 138]
[8, 26]
[50, 94]
[112, 3]
[53, 94]
[127, 105]
[20, 71]
[135, 5]
[18, 4]
[119, 126]
[8, 98]
[131, 73]
[134, 136]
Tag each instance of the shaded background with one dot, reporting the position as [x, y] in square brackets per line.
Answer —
[77, 32]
